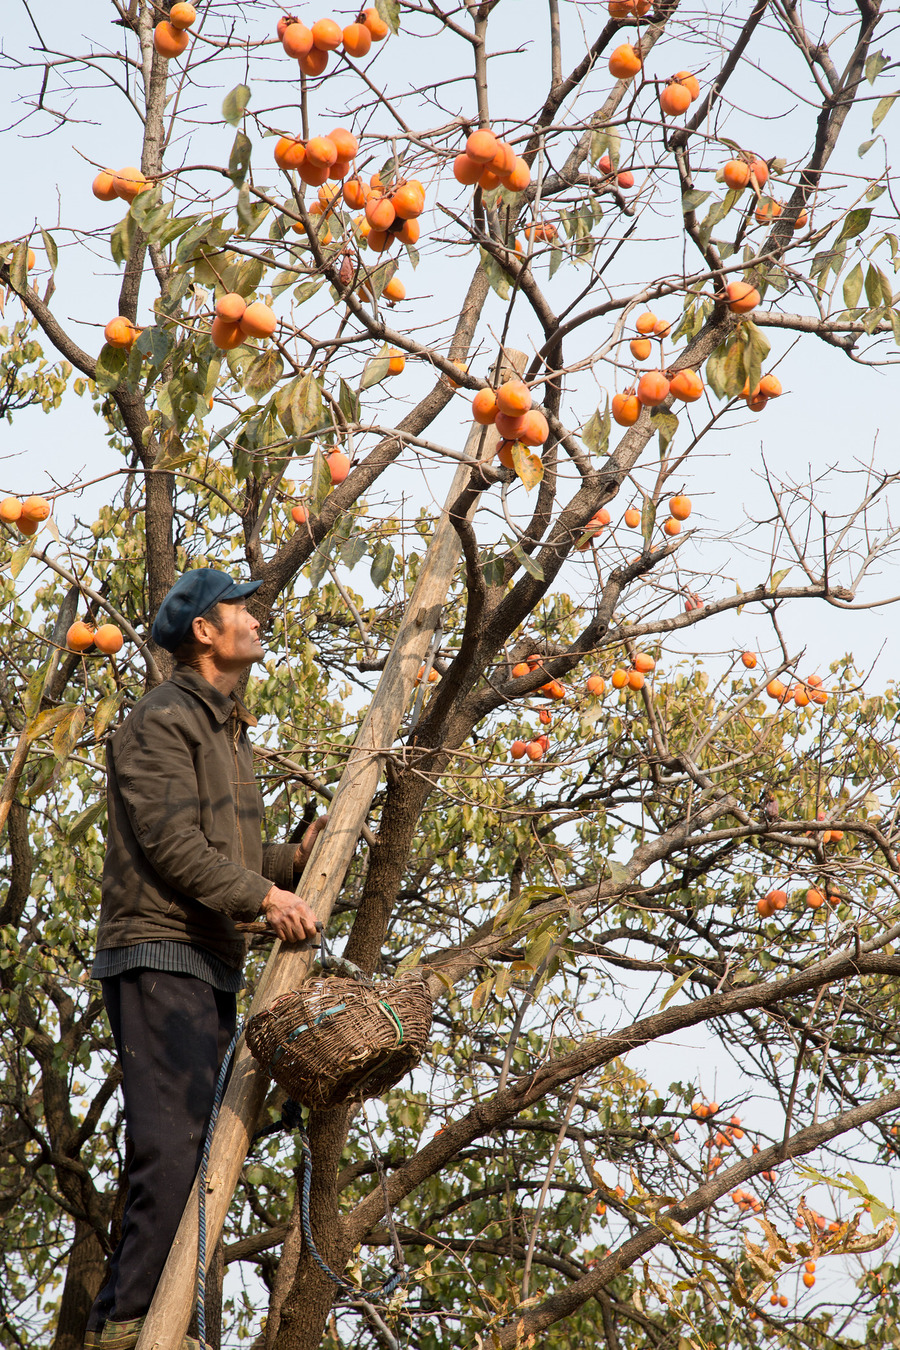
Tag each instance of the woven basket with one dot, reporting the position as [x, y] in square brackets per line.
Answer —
[336, 1039]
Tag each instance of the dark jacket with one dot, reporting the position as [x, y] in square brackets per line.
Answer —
[185, 856]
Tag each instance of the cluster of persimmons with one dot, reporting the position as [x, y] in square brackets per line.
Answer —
[27, 515]
[311, 46]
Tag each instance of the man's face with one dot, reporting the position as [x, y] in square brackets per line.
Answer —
[236, 644]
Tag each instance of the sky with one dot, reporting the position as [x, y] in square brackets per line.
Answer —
[832, 423]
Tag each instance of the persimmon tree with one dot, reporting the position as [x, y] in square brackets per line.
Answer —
[706, 837]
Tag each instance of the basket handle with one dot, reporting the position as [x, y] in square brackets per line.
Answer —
[337, 965]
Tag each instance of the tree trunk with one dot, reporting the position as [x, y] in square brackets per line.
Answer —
[304, 1312]
[84, 1278]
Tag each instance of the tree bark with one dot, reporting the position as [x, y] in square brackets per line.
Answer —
[84, 1279]
[306, 1308]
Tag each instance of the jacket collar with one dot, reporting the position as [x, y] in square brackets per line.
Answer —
[222, 706]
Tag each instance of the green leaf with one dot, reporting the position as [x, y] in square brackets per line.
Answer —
[390, 12]
[320, 483]
[239, 159]
[527, 466]
[353, 549]
[235, 104]
[134, 367]
[495, 274]
[606, 139]
[306, 406]
[855, 223]
[618, 874]
[756, 350]
[111, 366]
[596, 432]
[68, 732]
[492, 568]
[306, 290]
[282, 281]
[246, 276]
[538, 948]
[145, 205]
[375, 370]
[895, 325]
[121, 241]
[853, 282]
[866, 146]
[875, 64]
[348, 401]
[679, 984]
[105, 712]
[190, 239]
[871, 319]
[382, 563]
[156, 343]
[691, 199]
[718, 211]
[174, 229]
[84, 820]
[774, 276]
[873, 286]
[532, 567]
[732, 369]
[263, 372]
[875, 191]
[249, 216]
[715, 371]
[20, 558]
[777, 578]
[648, 520]
[666, 423]
[50, 249]
[881, 111]
[318, 563]
[173, 454]
[34, 689]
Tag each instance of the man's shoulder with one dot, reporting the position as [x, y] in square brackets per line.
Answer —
[168, 702]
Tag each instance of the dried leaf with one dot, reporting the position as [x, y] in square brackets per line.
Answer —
[68, 732]
[527, 466]
[105, 712]
[482, 993]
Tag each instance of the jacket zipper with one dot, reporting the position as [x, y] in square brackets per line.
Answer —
[237, 783]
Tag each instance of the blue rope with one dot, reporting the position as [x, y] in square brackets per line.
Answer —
[384, 1290]
[201, 1176]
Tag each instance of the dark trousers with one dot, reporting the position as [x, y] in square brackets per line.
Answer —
[171, 1033]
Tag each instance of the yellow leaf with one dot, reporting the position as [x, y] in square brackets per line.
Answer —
[527, 466]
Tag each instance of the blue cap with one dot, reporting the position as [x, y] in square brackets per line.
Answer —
[192, 595]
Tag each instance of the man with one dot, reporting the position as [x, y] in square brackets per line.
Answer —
[185, 859]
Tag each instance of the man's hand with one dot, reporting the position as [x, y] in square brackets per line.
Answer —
[291, 917]
[305, 847]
